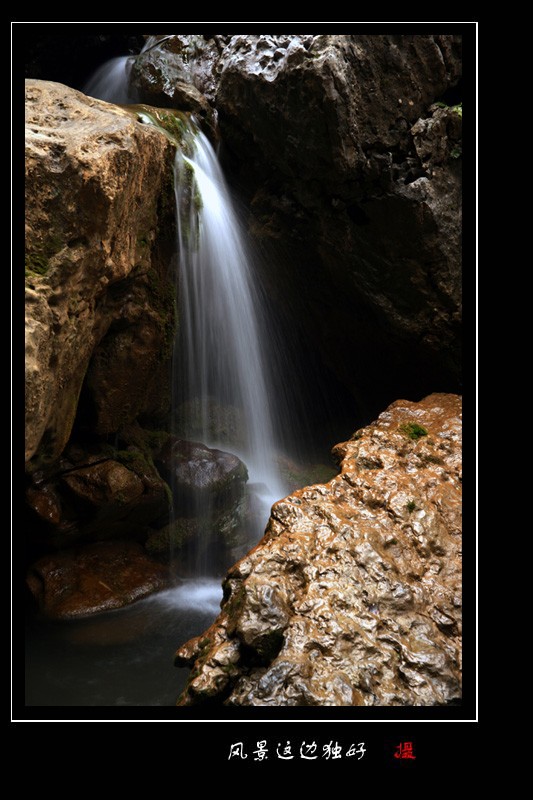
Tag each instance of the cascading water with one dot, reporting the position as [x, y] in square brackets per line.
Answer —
[219, 362]
[222, 345]
[112, 80]
[221, 366]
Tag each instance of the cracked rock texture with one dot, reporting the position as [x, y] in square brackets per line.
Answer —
[353, 596]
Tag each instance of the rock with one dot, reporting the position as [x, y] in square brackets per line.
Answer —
[331, 137]
[201, 476]
[94, 578]
[96, 493]
[335, 140]
[213, 513]
[353, 596]
[96, 179]
[180, 73]
[177, 61]
[105, 483]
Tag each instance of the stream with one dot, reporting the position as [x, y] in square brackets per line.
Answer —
[118, 658]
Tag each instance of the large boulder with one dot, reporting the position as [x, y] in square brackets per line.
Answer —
[348, 149]
[353, 596]
[96, 182]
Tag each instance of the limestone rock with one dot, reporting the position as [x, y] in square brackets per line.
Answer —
[353, 596]
[94, 180]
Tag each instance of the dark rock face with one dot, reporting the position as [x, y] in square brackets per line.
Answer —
[355, 195]
[353, 596]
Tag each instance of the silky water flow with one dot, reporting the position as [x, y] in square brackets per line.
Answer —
[125, 657]
[222, 383]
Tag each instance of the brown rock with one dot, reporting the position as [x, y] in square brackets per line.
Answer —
[94, 177]
[105, 483]
[353, 596]
[94, 578]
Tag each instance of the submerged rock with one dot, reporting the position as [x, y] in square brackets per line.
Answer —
[353, 596]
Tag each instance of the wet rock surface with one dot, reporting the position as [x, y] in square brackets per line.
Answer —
[353, 596]
[212, 511]
[94, 578]
[201, 475]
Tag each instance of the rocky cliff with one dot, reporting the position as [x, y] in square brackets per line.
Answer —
[353, 596]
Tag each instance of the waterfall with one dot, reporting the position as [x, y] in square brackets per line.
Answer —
[112, 80]
[220, 361]
[223, 335]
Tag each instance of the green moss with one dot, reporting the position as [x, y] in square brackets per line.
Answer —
[135, 461]
[412, 430]
[174, 124]
[141, 460]
[411, 506]
[37, 257]
[143, 241]
[166, 540]
[457, 109]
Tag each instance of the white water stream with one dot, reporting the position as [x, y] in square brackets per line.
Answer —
[223, 335]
